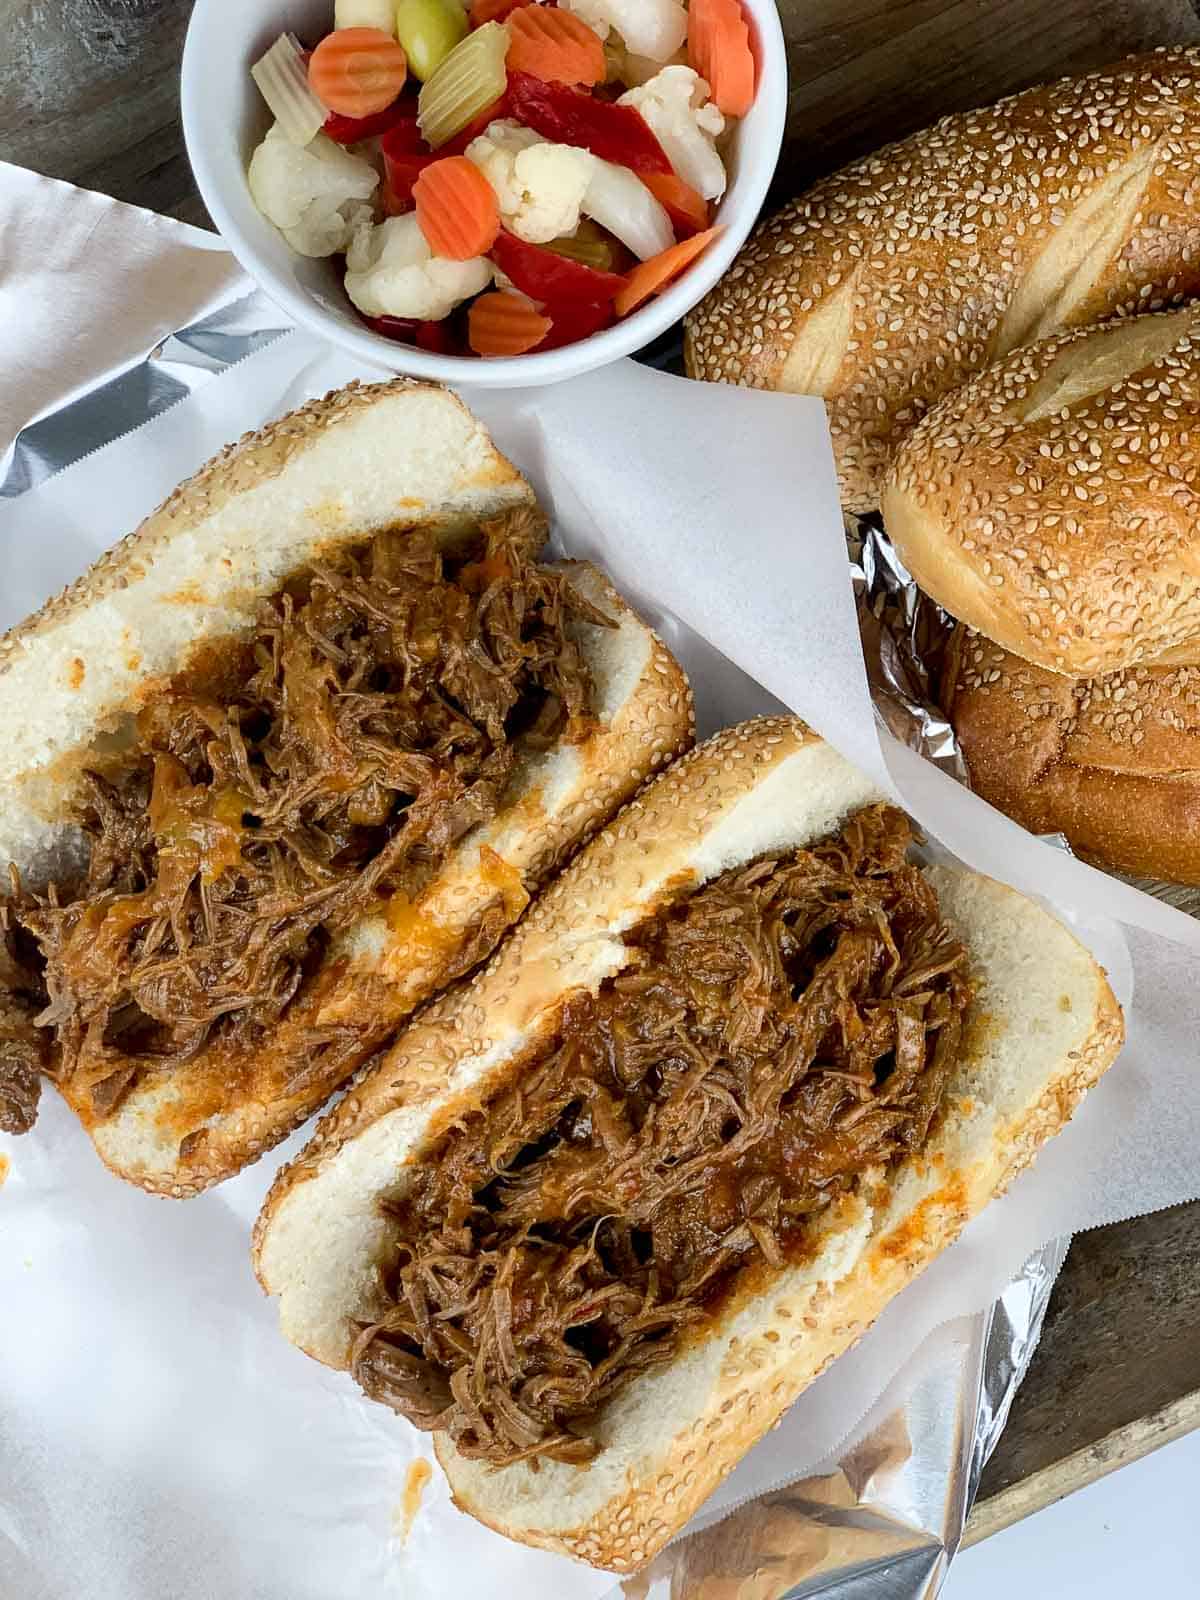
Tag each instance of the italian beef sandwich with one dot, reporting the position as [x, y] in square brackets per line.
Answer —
[286, 762]
[603, 1212]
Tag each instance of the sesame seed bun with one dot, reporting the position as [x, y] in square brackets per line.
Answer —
[894, 280]
[1042, 1028]
[359, 462]
[1051, 503]
[1112, 763]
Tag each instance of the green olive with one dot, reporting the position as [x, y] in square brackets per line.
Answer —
[429, 30]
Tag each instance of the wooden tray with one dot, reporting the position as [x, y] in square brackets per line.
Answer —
[88, 92]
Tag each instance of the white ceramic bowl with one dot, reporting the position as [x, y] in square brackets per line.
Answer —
[224, 118]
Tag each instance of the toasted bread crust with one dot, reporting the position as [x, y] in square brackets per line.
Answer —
[1113, 763]
[1048, 502]
[890, 283]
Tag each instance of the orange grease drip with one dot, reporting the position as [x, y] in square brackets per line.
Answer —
[4, 1164]
[419, 1474]
[417, 930]
[506, 879]
[477, 575]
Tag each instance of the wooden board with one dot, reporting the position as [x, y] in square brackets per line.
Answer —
[88, 92]
[865, 72]
[1117, 1372]
[88, 88]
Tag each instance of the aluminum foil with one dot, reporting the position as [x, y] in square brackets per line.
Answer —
[881, 1521]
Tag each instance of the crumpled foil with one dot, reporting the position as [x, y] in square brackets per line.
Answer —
[881, 1521]
[904, 634]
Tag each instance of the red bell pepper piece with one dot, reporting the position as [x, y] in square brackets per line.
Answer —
[391, 202]
[543, 275]
[403, 138]
[494, 10]
[432, 336]
[402, 172]
[437, 338]
[405, 157]
[573, 320]
[572, 116]
[352, 130]
[402, 329]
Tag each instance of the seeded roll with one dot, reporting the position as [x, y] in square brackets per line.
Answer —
[895, 280]
[1112, 763]
[1050, 504]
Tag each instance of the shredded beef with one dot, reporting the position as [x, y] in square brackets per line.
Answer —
[20, 1077]
[781, 1030]
[22, 1048]
[277, 795]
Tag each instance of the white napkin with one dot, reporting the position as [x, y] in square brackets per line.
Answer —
[72, 265]
[230, 1463]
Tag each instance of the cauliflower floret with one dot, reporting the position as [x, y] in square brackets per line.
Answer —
[654, 28]
[675, 103]
[391, 272]
[539, 185]
[365, 14]
[315, 195]
[618, 200]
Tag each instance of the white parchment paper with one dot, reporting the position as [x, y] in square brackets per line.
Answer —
[156, 1435]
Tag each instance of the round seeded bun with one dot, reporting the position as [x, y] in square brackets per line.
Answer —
[1112, 763]
[1051, 502]
[72, 679]
[893, 281]
[1043, 1027]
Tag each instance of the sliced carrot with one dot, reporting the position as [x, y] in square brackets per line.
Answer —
[719, 50]
[556, 46]
[650, 277]
[686, 207]
[357, 72]
[501, 323]
[457, 209]
[494, 10]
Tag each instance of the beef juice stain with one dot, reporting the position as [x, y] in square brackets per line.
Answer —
[405, 1514]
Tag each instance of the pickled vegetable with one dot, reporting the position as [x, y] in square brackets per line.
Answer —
[554, 45]
[354, 130]
[357, 72]
[282, 78]
[719, 49]
[379, 14]
[575, 320]
[618, 200]
[469, 80]
[653, 276]
[494, 10]
[686, 207]
[505, 324]
[654, 28]
[545, 275]
[456, 209]
[571, 116]
[589, 245]
[429, 31]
